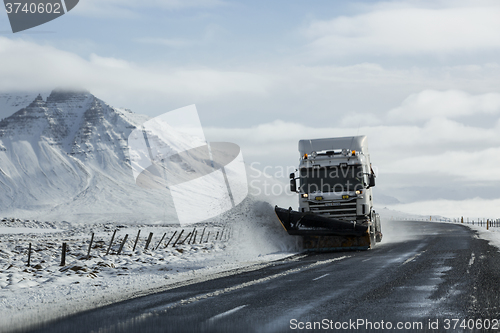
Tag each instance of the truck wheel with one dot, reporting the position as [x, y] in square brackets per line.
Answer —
[372, 239]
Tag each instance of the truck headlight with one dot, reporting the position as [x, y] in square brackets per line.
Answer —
[358, 192]
[305, 195]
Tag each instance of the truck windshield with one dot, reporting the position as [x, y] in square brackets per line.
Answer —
[331, 179]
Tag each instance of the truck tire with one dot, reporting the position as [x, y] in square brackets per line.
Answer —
[372, 238]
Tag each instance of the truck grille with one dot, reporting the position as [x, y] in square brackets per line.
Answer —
[339, 209]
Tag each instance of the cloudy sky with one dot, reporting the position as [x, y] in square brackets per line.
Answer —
[420, 78]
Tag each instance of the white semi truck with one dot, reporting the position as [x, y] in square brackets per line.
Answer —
[335, 196]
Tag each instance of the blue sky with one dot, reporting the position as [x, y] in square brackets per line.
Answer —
[421, 78]
[192, 33]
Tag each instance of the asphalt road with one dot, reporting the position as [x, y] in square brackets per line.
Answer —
[424, 276]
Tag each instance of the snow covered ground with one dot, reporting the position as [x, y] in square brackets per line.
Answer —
[45, 290]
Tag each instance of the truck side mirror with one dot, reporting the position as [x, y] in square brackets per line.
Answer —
[292, 175]
[293, 185]
[372, 180]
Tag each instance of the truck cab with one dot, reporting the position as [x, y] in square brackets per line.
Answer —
[335, 178]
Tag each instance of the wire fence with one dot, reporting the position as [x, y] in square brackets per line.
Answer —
[487, 223]
[482, 222]
[113, 244]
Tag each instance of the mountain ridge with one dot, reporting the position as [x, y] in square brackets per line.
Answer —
[67, 157]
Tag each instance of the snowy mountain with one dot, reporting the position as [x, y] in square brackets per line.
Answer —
[12, 102]
[66, 157]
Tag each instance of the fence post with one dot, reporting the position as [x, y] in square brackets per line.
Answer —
[136, 239]
[161, 240]
[111, 242]
[182, 231]
[192, 234]
[185, 239]
[202, 233]
[171, 239]
[148, 241]
[208, 236]
[90, 245]
[63, 255]
[487, 224]
[29, 255]
[462, 219]
[123, 243]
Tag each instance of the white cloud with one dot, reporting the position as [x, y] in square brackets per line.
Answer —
[395, 149]
[29, 66]
[480, 165]
[104, 62]
[451, 104]
[407, 28]
[473, 208]
[356, 119]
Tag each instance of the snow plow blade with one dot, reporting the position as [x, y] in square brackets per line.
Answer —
[322, 233]
[296, 223]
